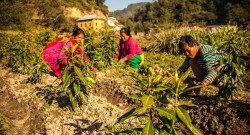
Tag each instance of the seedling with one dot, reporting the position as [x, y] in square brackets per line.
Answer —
[153, 92]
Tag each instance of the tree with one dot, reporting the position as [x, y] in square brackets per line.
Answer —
[15, 15]
[236, 14]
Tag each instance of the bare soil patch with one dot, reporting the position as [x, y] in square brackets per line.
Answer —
[44, 108]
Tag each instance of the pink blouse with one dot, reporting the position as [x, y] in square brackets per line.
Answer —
[130, 48]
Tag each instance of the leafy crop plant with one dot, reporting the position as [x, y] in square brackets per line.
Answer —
[235, 45]
[154, 93]
[75, 76]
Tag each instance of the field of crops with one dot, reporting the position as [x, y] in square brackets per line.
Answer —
[116, 99]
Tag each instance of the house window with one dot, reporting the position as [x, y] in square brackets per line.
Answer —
[85, 24]
[95, 24]
[89, 24]
[81, 25]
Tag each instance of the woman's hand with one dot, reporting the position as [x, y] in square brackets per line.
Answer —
[93, 68]
[122, 60]
[205, 82]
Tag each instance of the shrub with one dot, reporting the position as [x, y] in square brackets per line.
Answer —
[22, 52]
[107, 48]
[235, 43]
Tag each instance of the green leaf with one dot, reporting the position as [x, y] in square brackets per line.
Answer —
[83, 97]
[182, 87]
[165, 81]
[185, 118]
[71, 98]
[188, 104]
[135, 96]
[157, 78]
[147, 101]
[184, 76]
[163, 132]
[90, 79]
[176, 133]
[149, 81]
[161, 89]
[167, 113]
[76, 88]
[74, 47]
[66, 82]
[172, 91]
[183, 115]
[80, 75]
[138, 88]
[129, 114]
[191, 88]
[148, 129]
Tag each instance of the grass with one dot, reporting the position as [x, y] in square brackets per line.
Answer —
[3, 131]
[163, 60]
[5, 125]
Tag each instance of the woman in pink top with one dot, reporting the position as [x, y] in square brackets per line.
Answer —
[52, 52]
[129, 50]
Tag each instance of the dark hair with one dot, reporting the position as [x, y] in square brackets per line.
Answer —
[126, 30]
[77, 31]
[189, 40]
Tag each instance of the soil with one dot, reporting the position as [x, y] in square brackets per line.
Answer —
[115, 88]
[44, 109]
[222, 117]
[20, 117]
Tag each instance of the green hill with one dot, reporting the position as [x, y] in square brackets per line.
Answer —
[129, 11]
[168, 13]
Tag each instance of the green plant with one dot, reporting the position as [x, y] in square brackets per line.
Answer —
[102, 48]
[89, 43]
[235, 45]
[75, 75]
[22, 52]
[107, 49]
[155, 93]
[110, 110]
[5, 125]
[3, 131]
[167, 41]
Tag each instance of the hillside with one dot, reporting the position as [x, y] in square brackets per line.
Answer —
[169, 13]
[129, 11]
[58, 14]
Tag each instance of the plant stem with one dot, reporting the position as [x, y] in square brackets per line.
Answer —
[176, 94]
[150, 113]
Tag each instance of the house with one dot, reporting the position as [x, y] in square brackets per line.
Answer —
[113, 23]
[214, 28]
[93, 21]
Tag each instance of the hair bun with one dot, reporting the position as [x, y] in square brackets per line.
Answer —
[77, 31]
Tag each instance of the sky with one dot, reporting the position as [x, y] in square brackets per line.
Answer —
[121, 4]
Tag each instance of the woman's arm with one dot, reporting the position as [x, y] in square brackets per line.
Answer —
[118, 54]
[132, 48]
